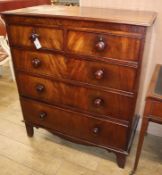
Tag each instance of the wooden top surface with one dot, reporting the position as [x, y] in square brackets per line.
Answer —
[155, 87]
[143, 18]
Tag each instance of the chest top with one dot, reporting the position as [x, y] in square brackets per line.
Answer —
[142, 18]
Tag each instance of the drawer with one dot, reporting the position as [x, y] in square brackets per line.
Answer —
[103, 45]
[156, 108]
[74, 124]
[75, 96]
[97, 73]
[49, 38]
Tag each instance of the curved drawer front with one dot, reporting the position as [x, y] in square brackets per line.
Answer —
[49, 38]
[97, 73]
[96, 131]
[84, 99]
[102, 45]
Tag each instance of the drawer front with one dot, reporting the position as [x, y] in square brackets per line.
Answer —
[97, 131]
[49, 38]
[97, 73]
[84, 99]
[101, 45]
[156, 108]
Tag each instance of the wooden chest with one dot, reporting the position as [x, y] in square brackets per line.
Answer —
[77, 71]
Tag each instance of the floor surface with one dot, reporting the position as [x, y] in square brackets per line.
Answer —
[46, 154]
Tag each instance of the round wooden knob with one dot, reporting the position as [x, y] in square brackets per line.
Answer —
[40, 88]
[42, 115]
[100, 45]
[36, 63]
[98, 102]
[96, 130]
[34, 36]
[99, 74]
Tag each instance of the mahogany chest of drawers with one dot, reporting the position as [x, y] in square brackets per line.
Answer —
[77, 71]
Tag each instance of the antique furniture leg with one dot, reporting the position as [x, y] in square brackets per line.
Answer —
[121, 159]
[144, 127]
[29, 130]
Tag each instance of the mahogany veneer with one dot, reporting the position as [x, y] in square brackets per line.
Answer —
[82, 83]
[94, 72]
[53, 37]
[112, 45]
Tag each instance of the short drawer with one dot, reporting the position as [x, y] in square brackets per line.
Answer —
[74, 124]
[85, 99]
[103, 45]
[50, 38]
[156, 108]
[96, 73]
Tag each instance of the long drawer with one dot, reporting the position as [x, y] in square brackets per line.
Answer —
[97, 131]
[75, 96]
[49, 38]
[97, 73]
[103, 45]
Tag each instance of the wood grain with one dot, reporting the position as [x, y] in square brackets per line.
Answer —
[114, 28]
[57, 65]
[117, 47]
[71, 120]
[49, 38]
[89, 65]
[93, 14]
[54, 92]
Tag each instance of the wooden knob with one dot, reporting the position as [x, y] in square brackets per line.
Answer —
[42, 115]
[40, 88]
[99, 74]
[98, 102]
[36, 63]
[100, 45]
[96, 130]
[34, 36]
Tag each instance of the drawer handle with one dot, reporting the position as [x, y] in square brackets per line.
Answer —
[100, 45]
[34, 36]
[40, 88]
[42, 115]
[99, 74]
[98, 102]
[96, 130]
[36, 63]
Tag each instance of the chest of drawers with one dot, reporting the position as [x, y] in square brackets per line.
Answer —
[82, 83]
